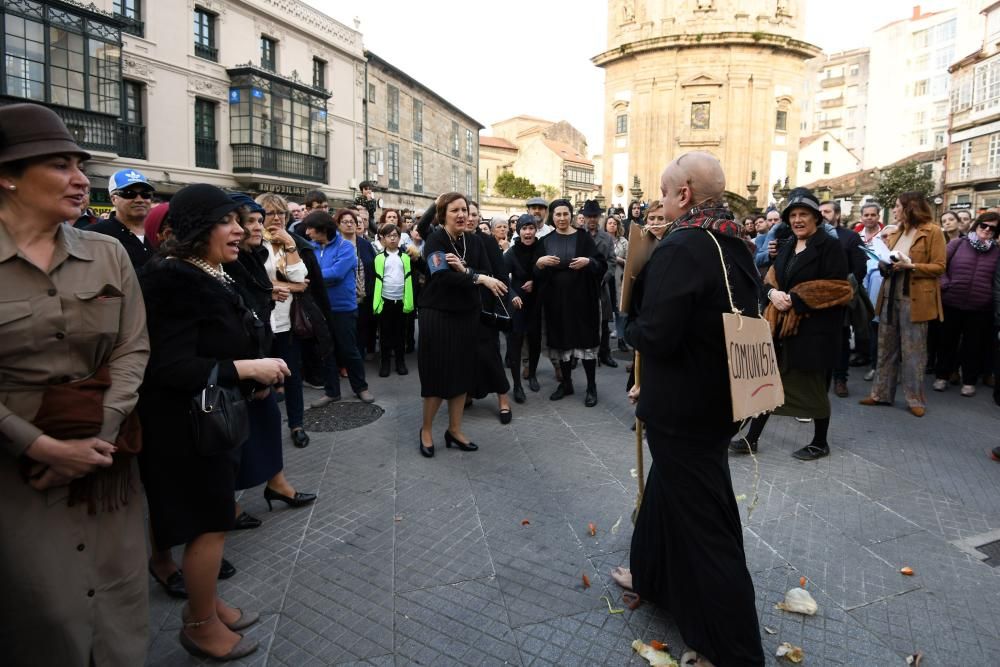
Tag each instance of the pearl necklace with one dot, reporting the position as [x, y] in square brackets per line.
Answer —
[215, 272]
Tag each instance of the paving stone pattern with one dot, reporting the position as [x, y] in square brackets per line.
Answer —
[405, 560]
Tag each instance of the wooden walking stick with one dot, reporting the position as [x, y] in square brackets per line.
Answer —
[638, 447]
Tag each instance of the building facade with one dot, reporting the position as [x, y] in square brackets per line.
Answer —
[823, 156]
[908, 89]
[552, 155]
[973, 177]
[255, 95]
[708, 75]
[418, 144]
[836, 98]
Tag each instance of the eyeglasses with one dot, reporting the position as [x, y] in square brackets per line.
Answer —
[983, 225]
[276, 214]
[132, 194]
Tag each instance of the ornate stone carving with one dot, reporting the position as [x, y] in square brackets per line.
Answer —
[313, 21]
[214, 6]
[207, 88]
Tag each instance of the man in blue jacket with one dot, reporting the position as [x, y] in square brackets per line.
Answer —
[338, 261]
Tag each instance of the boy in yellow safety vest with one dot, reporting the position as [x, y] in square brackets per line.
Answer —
[393, 298]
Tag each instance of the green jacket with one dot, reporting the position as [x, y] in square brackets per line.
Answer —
[377, 301]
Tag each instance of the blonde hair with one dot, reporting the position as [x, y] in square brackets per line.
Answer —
[274, 201]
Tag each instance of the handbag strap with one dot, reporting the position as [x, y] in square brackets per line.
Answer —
[213, 376]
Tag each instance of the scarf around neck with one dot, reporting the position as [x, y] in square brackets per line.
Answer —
[716, 218]
[979, 244]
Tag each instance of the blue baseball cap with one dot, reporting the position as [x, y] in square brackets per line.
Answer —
[126, 177]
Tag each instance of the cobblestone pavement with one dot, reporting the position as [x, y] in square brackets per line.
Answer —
[406, 560]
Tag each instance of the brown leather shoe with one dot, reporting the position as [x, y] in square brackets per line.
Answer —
[840, 388]
[917, 411]
[872, 401]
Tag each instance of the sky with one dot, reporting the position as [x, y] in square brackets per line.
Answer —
[500, 59]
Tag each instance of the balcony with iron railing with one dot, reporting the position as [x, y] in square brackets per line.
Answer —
[833, 102]
[831, 81]
[830, 123]
[206, 153]
[251, 158]
[206, 52]
[132, 26]
[132, 140]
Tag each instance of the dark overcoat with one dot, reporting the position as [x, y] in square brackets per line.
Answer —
[816, 346]
[678, 332]
[194, 323]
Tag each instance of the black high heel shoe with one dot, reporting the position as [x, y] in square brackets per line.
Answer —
[450, 440]
[426, 451]
[298, 500]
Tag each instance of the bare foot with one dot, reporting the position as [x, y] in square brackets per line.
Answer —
[622, 577]
[693, 659]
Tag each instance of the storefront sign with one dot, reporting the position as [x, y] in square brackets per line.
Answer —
[280, 189]
[961, 206]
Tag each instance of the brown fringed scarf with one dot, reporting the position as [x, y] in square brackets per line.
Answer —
[817, 294]
[75, 410]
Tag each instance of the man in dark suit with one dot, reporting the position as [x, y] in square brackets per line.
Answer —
[857, 267]
[687, 547]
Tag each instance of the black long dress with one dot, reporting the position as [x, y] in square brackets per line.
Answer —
[449, 319]
[194, 323]
[261, 456]
[687, 546]
[491, 378]
[571, 297]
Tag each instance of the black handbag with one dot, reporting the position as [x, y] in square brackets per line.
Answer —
[302, 324]
[496, 316]
[220, 420]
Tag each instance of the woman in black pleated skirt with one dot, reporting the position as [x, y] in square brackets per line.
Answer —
[449, 319]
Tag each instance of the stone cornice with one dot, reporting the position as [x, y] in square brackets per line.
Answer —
[793, 47]
[300, 16]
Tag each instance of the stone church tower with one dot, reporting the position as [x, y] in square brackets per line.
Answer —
[724, 76]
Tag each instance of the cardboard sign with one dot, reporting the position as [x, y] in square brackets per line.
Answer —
[754, 382]
[640, 247]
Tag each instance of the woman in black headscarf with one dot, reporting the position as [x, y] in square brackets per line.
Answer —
[569, 274]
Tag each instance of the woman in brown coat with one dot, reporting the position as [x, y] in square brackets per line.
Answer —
[910, 297]
[73, 348]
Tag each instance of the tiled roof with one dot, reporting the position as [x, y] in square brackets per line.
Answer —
[567, 152]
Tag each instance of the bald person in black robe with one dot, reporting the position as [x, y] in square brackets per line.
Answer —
[687, 547]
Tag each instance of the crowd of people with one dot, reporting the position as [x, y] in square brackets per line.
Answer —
[113, 328]
[118, 328]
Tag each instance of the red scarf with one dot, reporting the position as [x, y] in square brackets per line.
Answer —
[716, 218]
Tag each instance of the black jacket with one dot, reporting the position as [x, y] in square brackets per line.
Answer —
[816, 346]
[678, 332]
[857, 260]
[138, 251]
[449, 290]
[194, 323]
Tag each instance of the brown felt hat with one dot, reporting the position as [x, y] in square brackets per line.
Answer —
[31, 130]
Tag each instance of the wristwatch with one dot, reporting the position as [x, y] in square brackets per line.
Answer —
[291, 250]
